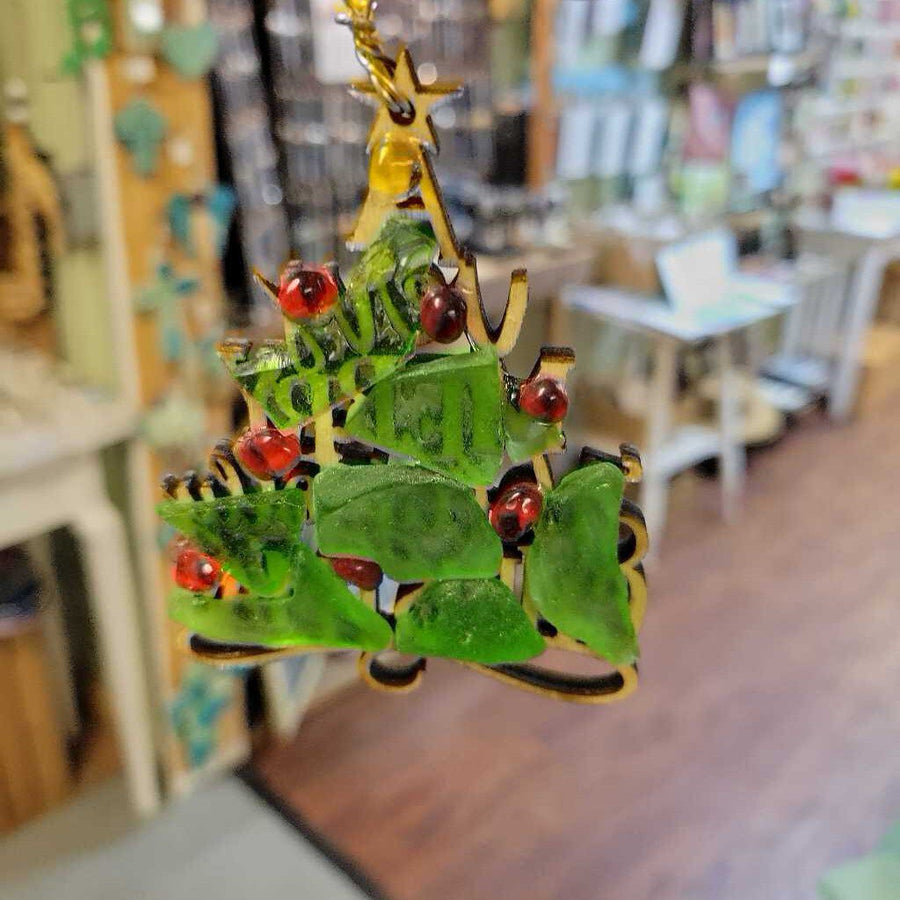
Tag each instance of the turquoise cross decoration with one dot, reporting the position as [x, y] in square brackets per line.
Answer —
[202, 698]
[163, 296]
[141, 127]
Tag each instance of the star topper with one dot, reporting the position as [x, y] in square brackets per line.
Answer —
[422, 96]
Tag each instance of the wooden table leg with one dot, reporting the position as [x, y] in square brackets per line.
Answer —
[101, 536]
[655, 486]
[732, 456]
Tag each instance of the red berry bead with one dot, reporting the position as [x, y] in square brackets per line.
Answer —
[195, 571]
[442, 313]
[516, 510]
[544, 398]
[267, 452]
[306, 291]
[361, 572]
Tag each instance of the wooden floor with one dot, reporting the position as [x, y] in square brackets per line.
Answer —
[762, 747]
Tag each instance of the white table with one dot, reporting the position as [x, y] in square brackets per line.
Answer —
[867, 255]
[668, 451]
[52, 476]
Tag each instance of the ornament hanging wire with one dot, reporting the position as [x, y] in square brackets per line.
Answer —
[360, 18]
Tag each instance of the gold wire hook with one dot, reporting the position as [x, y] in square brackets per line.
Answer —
[360, 19]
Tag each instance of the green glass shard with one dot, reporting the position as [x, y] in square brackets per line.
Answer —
[572, 571]
[318, 611]
[416, 524]
[476, 620]
[527, 437]
[444, 411]
[253, 536]
[291, 397]
[368, 334]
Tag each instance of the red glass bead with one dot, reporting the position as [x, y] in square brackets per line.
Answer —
[306, 291]
[516, 510]
[361, 572]
[267, 452]
[195, 571]
[442, 313]
[544, 398]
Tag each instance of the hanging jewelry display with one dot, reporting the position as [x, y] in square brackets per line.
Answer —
[389, 443]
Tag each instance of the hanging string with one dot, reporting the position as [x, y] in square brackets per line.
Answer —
[360, 18]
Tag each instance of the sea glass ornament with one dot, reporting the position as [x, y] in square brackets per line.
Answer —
[330, 358]
[572, 572]
[475, 620]
[444, 411]
[317, 610]
[415, 523]
[253, 536]
[372, 459]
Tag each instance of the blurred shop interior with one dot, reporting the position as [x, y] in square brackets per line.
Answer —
[705, 194]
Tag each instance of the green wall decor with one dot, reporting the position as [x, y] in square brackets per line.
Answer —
[91, 26]
[141, 127]
[190, 49]
[163, 296]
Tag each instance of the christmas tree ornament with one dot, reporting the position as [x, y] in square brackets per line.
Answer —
[389, 443]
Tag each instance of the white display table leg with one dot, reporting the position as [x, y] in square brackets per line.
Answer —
[732, 457]
[98, 528]
[655, 485]
[864, 291]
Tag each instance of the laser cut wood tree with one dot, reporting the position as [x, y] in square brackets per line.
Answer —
[388, 438]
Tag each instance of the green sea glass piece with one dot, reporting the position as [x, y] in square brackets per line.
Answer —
[476, 620]
[444, 411]
[253, 536]
[318, 611]
[572, 570]
[527, 437]
[416, 524]
[366, 336]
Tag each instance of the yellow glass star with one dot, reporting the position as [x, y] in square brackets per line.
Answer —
[422, 96]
